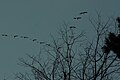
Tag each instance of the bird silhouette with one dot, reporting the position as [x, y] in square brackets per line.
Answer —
[15, 36]
[34, 40]
[25, 37]
[42, 42]
[4, 35]
[74, 18]
[48, 44]
[83, 12]
[77, 18]
[72, 27]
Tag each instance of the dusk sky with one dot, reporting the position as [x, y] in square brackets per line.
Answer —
[39, 18]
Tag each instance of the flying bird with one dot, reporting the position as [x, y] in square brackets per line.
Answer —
[42, 42]
[48, 44]
[15, 36]
[77, 18]
[83, 12]
[25, 37]
[34, 39]
[72, 27]
[74, 18]
[4, 35]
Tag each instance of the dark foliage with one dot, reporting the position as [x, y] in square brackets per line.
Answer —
[118, 20]
[112, 42]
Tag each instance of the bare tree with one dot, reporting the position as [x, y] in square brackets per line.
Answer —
[61, 64]
[71, 56]
[99, 65]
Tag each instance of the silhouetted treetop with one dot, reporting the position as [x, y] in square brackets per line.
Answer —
[112, 42]
[118, 20]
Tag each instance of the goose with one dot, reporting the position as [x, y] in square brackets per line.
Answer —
[34, 39]
[15, 36]
[25, 37]
[83, 12]
[72, 27]
[42, 42]
[4, 35]
[77, 18]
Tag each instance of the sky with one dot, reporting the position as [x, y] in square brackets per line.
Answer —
[39, 18]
